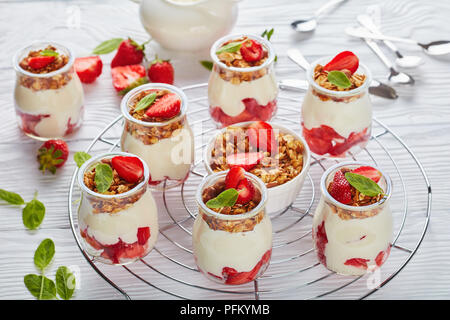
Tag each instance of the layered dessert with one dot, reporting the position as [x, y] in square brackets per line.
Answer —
[117, 216]
[242, 85]
[336, 111]
[48, 94]
[276, 155]
[157, 130]
[232, 235]
[352, 225]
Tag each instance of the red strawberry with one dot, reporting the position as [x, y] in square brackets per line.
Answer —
[52, 154]
[231, 276]
[246, 160]
[251, 51]
[261, 136]
[168, 106]
[382, 256]
[344, 60]
[161, 71]
[39, 62]
[130, 169]
[234, 176]
[357, 262]
[125, 76]
[88, 68]
[128, 53]
[340, 189]
[143, 234]
[246, 191]
[368, 172]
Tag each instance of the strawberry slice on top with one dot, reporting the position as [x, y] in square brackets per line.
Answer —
[262, 136]
[246, 160]
[368, 172]
[345, 60]
[39, 62]
[130, 169]
[233, 177]
[246, 191]
[251, 51]
[168, 106]
[340, 188]
[125, 76]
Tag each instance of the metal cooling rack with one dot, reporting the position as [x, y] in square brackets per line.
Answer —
[169, 271]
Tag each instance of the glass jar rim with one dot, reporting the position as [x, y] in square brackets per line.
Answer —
[185, 4]
[221, 216]
[310, 78]
[327, 195]
[88, 164]
[18, 68]
[132, 93]
[262, 40]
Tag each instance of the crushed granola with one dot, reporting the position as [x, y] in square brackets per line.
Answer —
[274, 169]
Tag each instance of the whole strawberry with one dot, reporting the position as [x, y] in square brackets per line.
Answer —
[161, 71]
[128, 53]
[52, 155]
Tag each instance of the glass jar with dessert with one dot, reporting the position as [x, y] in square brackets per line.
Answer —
[156, 129]
[117, 215]
[242, 85]
[336, 111]
[352, 225]
[232, 235]
[48, 94]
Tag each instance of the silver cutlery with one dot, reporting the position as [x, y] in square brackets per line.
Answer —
[434, 48]
[309, 24]
[401, 60]
[376, 87]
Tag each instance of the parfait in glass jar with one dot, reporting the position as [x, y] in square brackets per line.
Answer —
[156, 129]
[232, 235]
[352, 225]
[336, 111]
[117, 216]
[48, 95]
[242, 85]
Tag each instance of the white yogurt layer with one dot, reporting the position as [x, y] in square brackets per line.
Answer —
[61, 104]
[354, 238]
[107, 228]
[229, 96]
[171, 157]
[216, 249]
[343, 117]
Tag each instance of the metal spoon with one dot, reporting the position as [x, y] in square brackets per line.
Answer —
[376, 87]
[401, 61]
[434, 48]
[308, 25]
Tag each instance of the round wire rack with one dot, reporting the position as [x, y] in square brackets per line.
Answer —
[169, 271]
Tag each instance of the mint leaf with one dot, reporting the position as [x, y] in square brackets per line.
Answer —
[49, 53]
[145, 102]
[65, 283]
[40, 287]
[230, 47]
[33, 214]
[103, 177]
[44, 254]
[81, 157]
[207, 64]
[267, 34]
[11, 197]
[363, 184]
[226, 198]
[107, 46]
[338, 78]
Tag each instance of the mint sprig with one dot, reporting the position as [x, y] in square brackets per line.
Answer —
[145, 102]
[49, 53]
[363, 184]
[226, 198]
[107, 46]
[231, 47]
[207, 64]
[44, 254]
[32, 214]
[103, 177]
[65, 283]
[11, 197]
[340, 79]
[268, 33]
[81, 157]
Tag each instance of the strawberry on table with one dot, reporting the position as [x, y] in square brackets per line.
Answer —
[39, 62]
[130, 169]
[161, 71]
[251, 51]
[340, 188]
[52, 155]
[88, 68]
[128, 53]
[125, 76]
[262, 136]
[345, 60]
[168, 106]
[246, 160]
[368, 172]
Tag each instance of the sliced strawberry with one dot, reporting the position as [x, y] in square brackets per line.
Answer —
[168, 106]
[321, 241]
[88, 68]
[128, 53]
[130, 169]
[134, 251]
[161, 71]
[251, 51]
[262, 136]
[357, 262]
[39, 62]
[382, 256]
[125, 76]
[231, 276]
[143, 234]
[233, 177]
[344, 60]
[246, 191]
[368, 172]
[246, 160]
[52, 155]
[340, 189]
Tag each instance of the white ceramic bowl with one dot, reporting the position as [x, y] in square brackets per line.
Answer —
[279, 197]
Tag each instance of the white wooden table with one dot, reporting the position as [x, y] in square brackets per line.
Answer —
[421, 116]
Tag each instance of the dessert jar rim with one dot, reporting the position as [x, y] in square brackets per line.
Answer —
[235, 217]
[265, 42]
[156, 85]
[365, 85]
[65, 68]
[88, 164]
[306, 153]
[329, 198]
